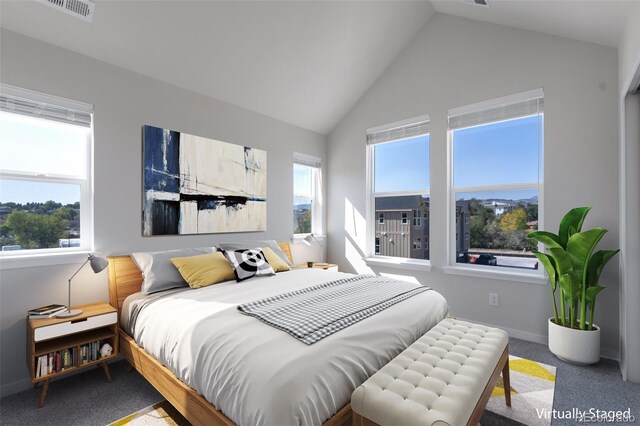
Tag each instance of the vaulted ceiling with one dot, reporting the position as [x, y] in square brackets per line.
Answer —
[302, 62]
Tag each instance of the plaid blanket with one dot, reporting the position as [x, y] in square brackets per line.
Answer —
[313, 313]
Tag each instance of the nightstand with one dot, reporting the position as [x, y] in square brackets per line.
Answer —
[57, 346]
[327, 266]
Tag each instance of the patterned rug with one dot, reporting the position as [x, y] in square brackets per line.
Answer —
[532, 387]
[159, 414]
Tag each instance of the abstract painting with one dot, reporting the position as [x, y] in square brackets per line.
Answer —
[195, 185]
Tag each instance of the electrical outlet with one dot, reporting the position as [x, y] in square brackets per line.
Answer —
[493, 299]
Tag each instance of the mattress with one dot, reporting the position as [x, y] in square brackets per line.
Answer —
[259, 375]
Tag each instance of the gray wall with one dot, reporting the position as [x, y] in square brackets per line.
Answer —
[455, 62]
[124, 101]
[628, 67]
[630, 215]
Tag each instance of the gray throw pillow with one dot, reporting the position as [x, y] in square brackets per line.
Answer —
[273, 244]
[248, 263]
[157, 270]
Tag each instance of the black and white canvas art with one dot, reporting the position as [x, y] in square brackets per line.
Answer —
[196, 185]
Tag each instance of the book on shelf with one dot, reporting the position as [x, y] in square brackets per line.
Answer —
[64, 359]
[46, 311]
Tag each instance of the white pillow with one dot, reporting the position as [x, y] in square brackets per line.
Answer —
[157, 270]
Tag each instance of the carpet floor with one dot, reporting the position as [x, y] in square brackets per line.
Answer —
[88, 399]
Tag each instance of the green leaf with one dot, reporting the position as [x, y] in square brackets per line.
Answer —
[549, 264]
[592, 292]
[573, 219]
[563, 262]
[571, 288]
[547, 238]
[581, 246]
[596, 264]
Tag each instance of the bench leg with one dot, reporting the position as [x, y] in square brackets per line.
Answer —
[507, 385]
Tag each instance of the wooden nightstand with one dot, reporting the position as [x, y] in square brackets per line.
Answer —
[327, 266]
[70, 344]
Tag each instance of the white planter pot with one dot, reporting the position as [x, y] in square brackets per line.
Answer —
[575, 346]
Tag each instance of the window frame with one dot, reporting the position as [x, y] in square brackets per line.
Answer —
[371, 257]
[526, 275]
[57, 255]
[315, 164]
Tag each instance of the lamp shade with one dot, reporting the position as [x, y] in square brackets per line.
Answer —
[97, 263]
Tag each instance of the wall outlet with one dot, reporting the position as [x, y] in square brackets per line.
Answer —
[493, 299]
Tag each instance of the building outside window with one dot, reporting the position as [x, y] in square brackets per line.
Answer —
[307, 195]
[417, 219]
[46, 197]
[497, 174]
[398, 156]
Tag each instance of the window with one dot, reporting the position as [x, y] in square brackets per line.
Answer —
[417, 220]
[496, 178]
[417, 244]
[46, 195]
[307, 200]
[398, 159]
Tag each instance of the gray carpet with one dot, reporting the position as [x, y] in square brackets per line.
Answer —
[87, 398]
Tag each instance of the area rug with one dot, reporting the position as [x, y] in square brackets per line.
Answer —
[532, 387]
[159, 414]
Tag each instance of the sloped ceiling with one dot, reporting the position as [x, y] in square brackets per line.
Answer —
[594, 21]
[304, 63]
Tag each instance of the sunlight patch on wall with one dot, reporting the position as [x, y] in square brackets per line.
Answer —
[407, 278]
[355, 244]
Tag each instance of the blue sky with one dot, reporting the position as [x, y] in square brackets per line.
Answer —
[44, 146]
[22, 191]
[499, 153]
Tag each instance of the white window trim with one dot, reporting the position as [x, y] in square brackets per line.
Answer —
[371, 218]
[399, 262]
[315, 164]
[56, 256]
[538, 276]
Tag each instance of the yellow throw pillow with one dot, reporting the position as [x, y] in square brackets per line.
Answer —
[274, 260]
[204, 270]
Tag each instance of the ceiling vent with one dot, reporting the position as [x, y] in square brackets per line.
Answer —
[476, 2]
[82, 9]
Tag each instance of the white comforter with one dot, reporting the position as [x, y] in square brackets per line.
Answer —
[258, 375]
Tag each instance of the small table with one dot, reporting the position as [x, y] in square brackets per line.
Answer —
[326, 266]
[62, 345]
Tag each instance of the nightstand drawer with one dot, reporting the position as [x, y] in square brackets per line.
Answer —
[74, 326]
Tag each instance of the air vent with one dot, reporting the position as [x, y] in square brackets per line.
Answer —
[82, 9]
[476, 2]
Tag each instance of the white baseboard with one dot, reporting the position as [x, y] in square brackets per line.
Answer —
[541, 338]
[15, 387]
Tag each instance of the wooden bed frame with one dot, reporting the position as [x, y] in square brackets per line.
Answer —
[125, 278]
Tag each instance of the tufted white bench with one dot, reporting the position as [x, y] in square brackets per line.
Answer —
[445, 378]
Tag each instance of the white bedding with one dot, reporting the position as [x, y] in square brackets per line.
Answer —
[258, 375]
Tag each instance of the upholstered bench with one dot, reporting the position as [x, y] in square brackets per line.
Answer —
[445, 378]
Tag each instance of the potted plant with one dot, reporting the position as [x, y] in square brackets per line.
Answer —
[574, 268]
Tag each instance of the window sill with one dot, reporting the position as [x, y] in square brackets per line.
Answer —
[400, 263]
[42, 259]
[491, 272]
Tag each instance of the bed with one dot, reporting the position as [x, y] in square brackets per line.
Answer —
[217, 366]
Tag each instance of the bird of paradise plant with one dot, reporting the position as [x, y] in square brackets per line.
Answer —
[574, 267]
